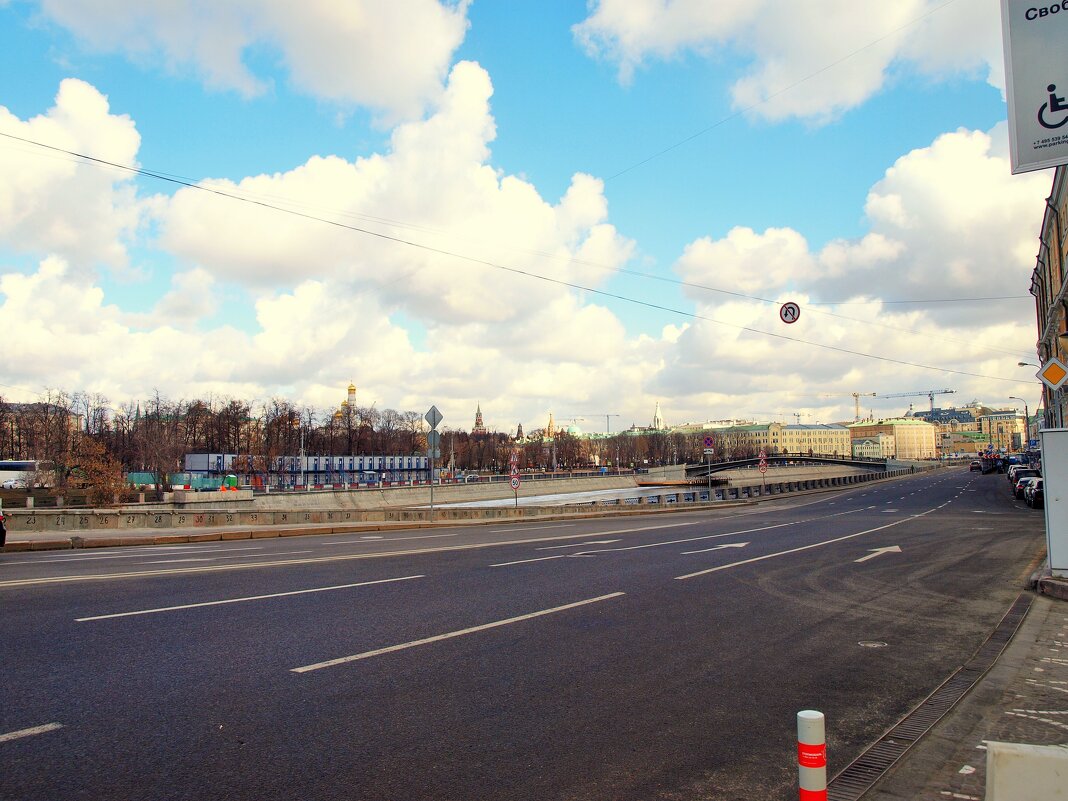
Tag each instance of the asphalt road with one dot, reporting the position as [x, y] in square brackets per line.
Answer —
[656, 657]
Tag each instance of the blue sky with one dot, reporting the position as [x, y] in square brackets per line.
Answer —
[848, 153]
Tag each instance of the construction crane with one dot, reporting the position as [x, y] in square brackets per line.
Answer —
[607, 419]
[930, 393]
[856, 400]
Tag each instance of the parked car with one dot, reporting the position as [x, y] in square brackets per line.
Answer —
[1035, 494]
[1021, 472]
[1016, 468]
[976, 465]
[14, 483]
[1021, 485]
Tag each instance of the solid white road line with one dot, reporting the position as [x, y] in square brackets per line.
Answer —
[576, 545]
[802, 548]
[240, 600]
[141, 552]
[15, 735]
[270, 555]
[365, 539]
[529, 528]
[438, 637]
[717, 548]
[172, 571]
[537, 559]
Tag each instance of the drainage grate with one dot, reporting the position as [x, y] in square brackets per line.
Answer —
[857, 777]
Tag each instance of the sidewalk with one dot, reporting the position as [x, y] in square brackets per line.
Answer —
[1022, 699]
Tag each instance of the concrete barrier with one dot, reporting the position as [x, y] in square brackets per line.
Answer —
[191, 517]
[1019, 772]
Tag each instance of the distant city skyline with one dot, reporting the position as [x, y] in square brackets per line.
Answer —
[530, 207]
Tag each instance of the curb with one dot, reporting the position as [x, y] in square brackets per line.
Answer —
[1044, 582]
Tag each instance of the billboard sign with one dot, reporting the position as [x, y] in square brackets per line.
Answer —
[1036, 82]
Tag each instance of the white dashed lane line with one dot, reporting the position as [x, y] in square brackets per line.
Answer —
[17, 735]
[242, 600]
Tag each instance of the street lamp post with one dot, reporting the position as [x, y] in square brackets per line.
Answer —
[1027, 420]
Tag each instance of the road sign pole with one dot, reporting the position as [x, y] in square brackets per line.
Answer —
[433, 439]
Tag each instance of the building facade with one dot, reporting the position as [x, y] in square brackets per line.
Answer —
[913, 438]
[1049, 283]
[776, 438]
[312, 471]
[881, 446]
[1004, 431]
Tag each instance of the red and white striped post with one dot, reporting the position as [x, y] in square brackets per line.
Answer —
[811, 756]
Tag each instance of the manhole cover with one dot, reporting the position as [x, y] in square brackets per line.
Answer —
[871, 644]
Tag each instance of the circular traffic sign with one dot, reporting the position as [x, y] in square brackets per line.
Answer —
[709, 442]
[515, 482]
[789, 312]
[763, 468]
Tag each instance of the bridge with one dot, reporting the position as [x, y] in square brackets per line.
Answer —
[782, 460]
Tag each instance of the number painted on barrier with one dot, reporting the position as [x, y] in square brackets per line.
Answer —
[284, 517]
[307, 517]
[83, 521]
[130, 520]
[104, 520]
[253, 518]
[30, 521]
[60, 521]
[229, 518]
[158, 519]
[199, 520]
[181, 520]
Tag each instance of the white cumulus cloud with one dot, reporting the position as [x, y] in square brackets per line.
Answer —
[53, 202]
[845, 51]
[389, 55]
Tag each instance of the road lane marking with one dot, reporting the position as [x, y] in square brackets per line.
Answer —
[15, 735]
[536, 559]
[241, 600]
[879, 552]
[802, 548]
[270, 555]
[175, 571]
[364, 540]
[576, 545]
[439, 637]
[529, 528]
[142, 552]
[718, 547]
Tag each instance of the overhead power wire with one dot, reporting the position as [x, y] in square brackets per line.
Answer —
[291, 205]
[501, 267]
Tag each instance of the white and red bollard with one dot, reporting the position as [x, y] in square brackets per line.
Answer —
[811, 756]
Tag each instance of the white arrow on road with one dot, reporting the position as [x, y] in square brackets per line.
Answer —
[719, 547]
[879, 552]
[578, 544]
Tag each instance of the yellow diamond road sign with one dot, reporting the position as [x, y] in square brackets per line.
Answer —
[1053, 373]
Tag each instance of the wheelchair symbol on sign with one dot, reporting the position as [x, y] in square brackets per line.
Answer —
[1054, 105]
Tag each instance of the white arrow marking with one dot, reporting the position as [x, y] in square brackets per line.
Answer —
[578, 544]
[879, 552]
[718, 547]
